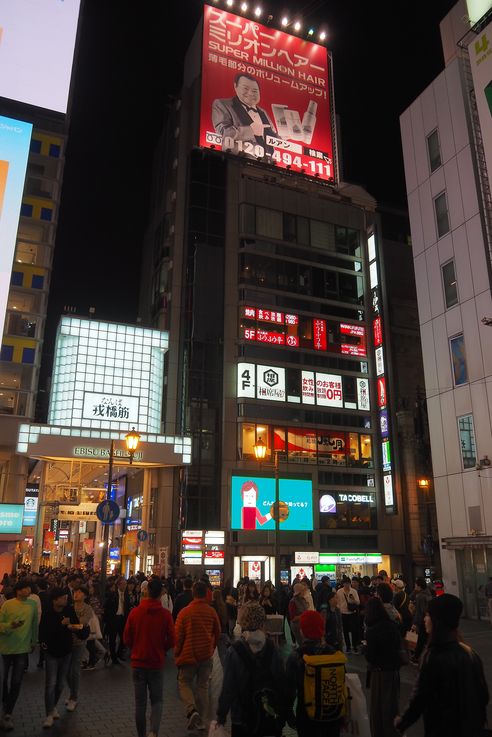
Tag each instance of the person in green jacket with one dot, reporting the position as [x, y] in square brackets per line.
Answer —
[18, 636]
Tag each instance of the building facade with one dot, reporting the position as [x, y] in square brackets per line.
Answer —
[444, 144]
[269, 283]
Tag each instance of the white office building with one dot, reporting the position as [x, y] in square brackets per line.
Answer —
[445, 135]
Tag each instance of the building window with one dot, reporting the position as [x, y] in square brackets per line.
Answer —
[458, 357]
[37, 281]
[248, 221]
[434, 150]
[35, 146]
[26, 210]
[467, 441]
[46, 213]
[342, 510]
[55, 150]
[269, 223]
[7, 353]
[17, 278]
[450, 285]
[442, 219]
[28, 355]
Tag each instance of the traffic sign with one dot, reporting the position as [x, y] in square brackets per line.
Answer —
[107, 512]
[142, 536]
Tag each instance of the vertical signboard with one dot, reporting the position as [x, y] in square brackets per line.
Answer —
[480, 51]
[265, 94]
[15, 139]
[31, 499]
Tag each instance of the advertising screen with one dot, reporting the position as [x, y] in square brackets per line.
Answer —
[15, 139]
[37, 41]
[11, 518]
[265, 93]
[253, 503]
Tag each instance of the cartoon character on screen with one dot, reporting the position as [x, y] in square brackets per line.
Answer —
[250, 514]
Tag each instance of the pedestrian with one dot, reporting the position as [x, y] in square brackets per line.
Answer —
[349, 603]
[297, 605]
[197, 636]
[219, 605]
[308, 594]
[250, 593]
[84, 614]
[401, 602]
[266, 599]
[149, 633]
[382, 651]
[488, 596]
[116, 610]
[18, 637]
[309, 655]
[253, 687]
[58, 625]
[229, 594]
[422, 597]
[323, 593]
[451, 692]
[333, 623]
[184, 598]
[166, 599]
[385, 593]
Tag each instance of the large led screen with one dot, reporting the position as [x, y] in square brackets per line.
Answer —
[265, 94]
[37, 41]
[15, 138]
[253, 503]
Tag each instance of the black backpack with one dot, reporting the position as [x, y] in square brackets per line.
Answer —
[260, 702]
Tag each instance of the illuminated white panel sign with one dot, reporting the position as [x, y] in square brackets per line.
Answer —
[363, 400]
[270, 383]
[107, 375]
[246, 382]
[378, 354]
[308, 557]
[308, 387]
[389, 498]
[371, 247]
[37, 41]
[329, 390]
[373, 274]
[110, 407]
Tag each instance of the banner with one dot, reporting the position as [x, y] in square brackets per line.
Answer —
[130, 543]
[265, 95]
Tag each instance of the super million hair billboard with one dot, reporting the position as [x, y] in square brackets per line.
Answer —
[266, 95]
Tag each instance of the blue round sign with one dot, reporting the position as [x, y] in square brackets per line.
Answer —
[107, 512]
[142, 536]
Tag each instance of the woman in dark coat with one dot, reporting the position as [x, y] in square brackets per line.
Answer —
[383, 658]
[451, 692]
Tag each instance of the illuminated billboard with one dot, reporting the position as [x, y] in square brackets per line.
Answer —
[15, 139]
[265, 94]
[11, 516]
[37, 42]
[480, 51]
[253, 503]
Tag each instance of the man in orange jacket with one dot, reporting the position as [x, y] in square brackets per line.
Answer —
[149, 632]
[197, 635]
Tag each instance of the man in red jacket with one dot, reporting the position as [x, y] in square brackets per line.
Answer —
[149, 632]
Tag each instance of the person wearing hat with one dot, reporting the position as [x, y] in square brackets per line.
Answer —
[252, 665]
[451, 692]
[312, 627]
[401, 602]
[297, 605]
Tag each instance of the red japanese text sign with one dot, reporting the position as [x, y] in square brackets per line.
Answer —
[265, 93]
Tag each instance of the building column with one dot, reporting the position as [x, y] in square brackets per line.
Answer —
[39, 531]
[146, 486]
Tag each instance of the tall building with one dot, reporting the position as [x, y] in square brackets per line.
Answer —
[36, 56]
[446, 135]
[266, 271]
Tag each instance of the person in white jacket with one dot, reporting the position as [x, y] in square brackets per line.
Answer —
[349, 605]
[166, 599]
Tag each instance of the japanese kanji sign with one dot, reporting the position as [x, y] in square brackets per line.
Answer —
[110, 407]
[265, 95]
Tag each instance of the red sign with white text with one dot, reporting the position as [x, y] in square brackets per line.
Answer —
[378, 332]
[265, 95]
[319, 334]
[382, 392]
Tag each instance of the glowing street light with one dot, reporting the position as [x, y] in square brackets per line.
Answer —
[285, 21]
[297, 26]
[257, 11]
[244, 7]
[322, 35]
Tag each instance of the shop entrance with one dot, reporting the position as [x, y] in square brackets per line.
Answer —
[257, 568]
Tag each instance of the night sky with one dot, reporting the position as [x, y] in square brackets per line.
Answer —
[130, 64]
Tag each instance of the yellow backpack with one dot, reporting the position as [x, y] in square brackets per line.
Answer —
[325, 692]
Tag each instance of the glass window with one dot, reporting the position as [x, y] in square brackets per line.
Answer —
[303, 231]
[434, 150]
[290, 229]
[55, 150]
[17, 278]
[279, 439]
[458, 357]
[450, 285]
[442, 219]
[467, 441]
[26, 253]
[7, 352]
[37, 281]
[46, 213]
[320, 234]
[35, 146]
[332, 448]
[248, 218]
[269, 223]
[26, 210]
[301, 445]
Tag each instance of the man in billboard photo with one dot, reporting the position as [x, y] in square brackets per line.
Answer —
[241, 119]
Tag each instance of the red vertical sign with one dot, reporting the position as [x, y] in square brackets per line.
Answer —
[319, 335]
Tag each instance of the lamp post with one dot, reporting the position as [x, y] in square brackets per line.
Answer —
[132, 440]
[260, 453]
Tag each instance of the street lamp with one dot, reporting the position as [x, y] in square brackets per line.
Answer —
[260, 450]
[132, 440]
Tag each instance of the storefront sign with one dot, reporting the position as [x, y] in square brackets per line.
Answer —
[85, 511]
[110, 407]
[265, 94]
[114, 553]
[378, 355]
[383, 423]
[389, 498]
[308, 557]
[11, 516]
[87, 452]
[253, 503]
[363, 400]
[381, 382]
[301, 571]
[270, 383]
[357, 498]
[319, 335]
[329, 390]
[378, 331]
[308, 387]
[350, 558]
[31, 499]
[327, 504]
[214, 557]
[246, 380]
[386, 453]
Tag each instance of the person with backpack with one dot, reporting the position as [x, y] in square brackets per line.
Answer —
[253, 688]
[316, 677]
[451, 692]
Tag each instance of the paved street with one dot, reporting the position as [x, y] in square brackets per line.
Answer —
[106, 702]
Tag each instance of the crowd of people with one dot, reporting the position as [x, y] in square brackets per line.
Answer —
[75, 624]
